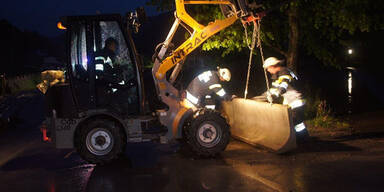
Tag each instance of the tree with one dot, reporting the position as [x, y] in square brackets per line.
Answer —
[320, 28]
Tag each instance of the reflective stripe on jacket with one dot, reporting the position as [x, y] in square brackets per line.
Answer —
[282, 85]
[204, 84]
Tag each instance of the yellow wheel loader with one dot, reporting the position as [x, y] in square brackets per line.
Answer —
[98, 107]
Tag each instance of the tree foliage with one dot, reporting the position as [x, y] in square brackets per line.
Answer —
[321, 28]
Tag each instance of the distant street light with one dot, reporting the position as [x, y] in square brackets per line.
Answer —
[350, 51]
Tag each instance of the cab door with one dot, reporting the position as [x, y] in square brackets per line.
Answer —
[88, 36]
[78, 63]
[120, 94]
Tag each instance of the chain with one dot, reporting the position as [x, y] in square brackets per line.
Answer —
[261, 52]
[251, 47]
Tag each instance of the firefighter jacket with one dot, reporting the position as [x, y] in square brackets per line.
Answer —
[283, 85]
[207, 83]
[105, 70]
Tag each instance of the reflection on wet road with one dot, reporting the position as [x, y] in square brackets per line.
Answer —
[335, 165]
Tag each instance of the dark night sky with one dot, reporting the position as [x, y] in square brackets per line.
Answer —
[42, 15]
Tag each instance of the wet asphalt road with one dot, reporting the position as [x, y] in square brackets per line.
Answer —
[343, 164]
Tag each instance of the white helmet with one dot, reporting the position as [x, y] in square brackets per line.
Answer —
[271, 61]
[225, 74]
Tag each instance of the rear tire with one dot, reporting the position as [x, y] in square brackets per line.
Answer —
[207, 134]
[100, 141]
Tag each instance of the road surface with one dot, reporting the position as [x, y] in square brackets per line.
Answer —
[352, 163]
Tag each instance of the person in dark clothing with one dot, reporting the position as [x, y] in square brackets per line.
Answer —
[112, 89]
[284, 91]
[208, 84]
[105, 63]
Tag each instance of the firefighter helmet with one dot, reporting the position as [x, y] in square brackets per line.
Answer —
[225, 74]
[271, 61]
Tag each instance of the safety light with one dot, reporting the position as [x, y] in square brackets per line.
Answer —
[61, 26]
[43, 130]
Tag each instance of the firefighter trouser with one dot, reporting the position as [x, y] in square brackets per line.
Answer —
[298, 118]
[293, 99]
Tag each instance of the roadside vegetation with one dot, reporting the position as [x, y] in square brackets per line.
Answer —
[11, 87]
[17, 84]
[321, 119]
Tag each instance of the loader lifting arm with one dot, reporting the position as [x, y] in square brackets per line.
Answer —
[165, 89]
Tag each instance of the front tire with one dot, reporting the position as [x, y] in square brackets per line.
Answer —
[100, 141]
[207, 134]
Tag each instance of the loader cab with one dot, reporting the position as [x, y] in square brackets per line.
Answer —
[101, 78]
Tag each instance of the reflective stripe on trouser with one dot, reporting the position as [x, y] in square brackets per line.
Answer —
[299, 127]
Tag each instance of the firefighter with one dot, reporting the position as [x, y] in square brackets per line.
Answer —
[283, 91]
[105, 63]
[207, 85]
[112, 90]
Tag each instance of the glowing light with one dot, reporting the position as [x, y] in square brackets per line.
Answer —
[205, 77]
[350, 82]
[296, 103]
[99, 67]
[299, 127]
[221, 92]
[61, 26]
[43, 129]
[350, 51]
[284, 85]
[100, 58]
[109, 61]
[192, 98]
[274, 91]
[187, 104]
[210, 106]
[214, 86]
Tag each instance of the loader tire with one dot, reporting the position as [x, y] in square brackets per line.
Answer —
[100, 141]
[207, 134]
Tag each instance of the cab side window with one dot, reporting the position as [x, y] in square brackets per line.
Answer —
[111, 29]
[79, 59]
[115, 73]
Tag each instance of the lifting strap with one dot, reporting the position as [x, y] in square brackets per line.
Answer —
[255, 34]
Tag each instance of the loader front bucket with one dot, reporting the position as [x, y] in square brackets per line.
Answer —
[261, 124]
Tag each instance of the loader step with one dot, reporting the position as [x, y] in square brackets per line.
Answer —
[151, 125]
